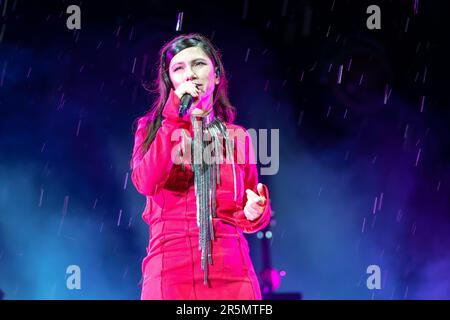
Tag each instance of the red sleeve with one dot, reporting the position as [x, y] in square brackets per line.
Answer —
[153, 168]
[251, 182]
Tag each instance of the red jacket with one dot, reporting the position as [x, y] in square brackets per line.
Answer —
[171, 210]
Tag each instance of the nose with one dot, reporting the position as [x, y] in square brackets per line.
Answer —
[190, 75]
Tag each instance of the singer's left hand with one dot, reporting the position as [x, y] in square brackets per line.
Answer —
[255, 203]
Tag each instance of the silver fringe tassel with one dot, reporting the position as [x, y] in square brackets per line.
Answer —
[206, 169]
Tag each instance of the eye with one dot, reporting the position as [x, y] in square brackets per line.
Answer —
[200, 63]
[176, 69]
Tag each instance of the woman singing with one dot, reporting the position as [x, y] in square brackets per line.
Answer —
[199, 175]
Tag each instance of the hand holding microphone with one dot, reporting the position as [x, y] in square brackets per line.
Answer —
[187, 92]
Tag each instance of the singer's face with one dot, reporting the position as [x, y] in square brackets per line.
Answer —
[192, 64]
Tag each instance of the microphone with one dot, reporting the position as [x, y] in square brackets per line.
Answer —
[185, 104]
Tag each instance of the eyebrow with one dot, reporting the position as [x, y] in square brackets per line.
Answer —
[197, 59]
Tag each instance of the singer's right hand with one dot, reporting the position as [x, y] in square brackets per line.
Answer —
[187, 87]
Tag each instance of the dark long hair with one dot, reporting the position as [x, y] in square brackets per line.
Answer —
[162, 84]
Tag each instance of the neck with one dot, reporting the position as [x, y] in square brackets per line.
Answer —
[205, 119]
[209, 117]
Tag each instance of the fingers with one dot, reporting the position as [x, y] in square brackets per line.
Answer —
[261, 190]
[192, 88]
[188, 87]
[255, 205]
[253, 197]
[253, 211]
[250, 213]
[256, 208]
[251, 194]
[194, 91]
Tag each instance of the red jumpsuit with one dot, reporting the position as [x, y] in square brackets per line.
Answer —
[172, 268]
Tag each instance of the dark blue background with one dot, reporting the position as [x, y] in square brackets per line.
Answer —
[68, 100]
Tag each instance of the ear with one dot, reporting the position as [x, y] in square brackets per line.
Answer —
[217, 80]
